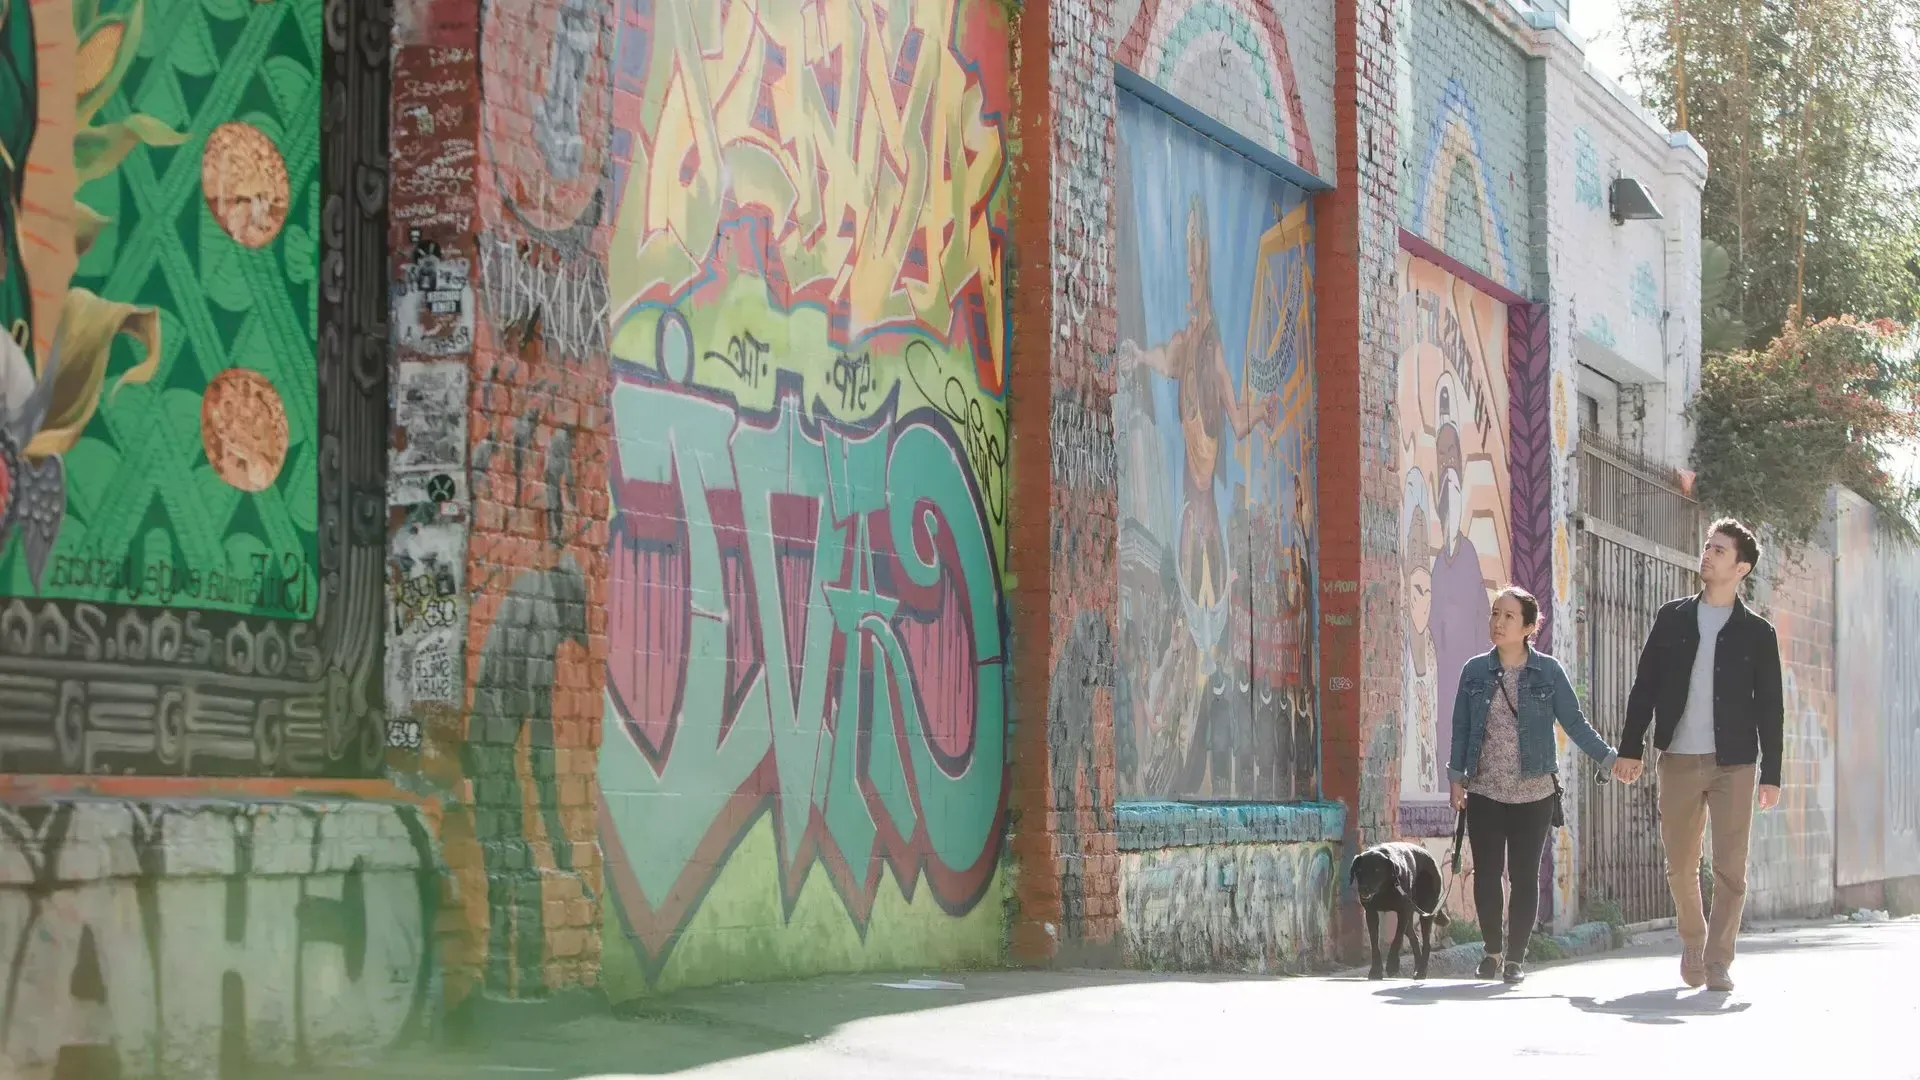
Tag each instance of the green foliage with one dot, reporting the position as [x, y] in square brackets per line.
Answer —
[1720, 328]
[1464, 931]
[1824, 404]
[1600, 909]
[1542, 948]
[1806, 112]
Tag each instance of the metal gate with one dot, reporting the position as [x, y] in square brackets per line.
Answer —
[1620, 855]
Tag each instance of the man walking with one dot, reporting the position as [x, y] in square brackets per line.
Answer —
[1709, 680]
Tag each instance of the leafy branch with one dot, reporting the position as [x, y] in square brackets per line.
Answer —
[1825, 404]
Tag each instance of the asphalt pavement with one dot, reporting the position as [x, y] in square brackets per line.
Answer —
[1830, 997]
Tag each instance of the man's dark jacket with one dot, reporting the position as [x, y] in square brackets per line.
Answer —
[1746, 687]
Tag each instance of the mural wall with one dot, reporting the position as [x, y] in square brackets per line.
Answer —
[802, 760]
[1463, 143]
[172, 596]
[1454, 429]
[1263, 69]
[1213, 423]
[159, 293]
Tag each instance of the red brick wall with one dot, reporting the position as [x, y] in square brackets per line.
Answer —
[1061, 543]
[498, 494]
[1357, 241]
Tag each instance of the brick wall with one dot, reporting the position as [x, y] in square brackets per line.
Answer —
[497, 482]
[1464, 165]
[1356, 346]
[1790, 857]
[1263, 69]
[1061, 724]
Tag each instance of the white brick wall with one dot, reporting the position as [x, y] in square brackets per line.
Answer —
[1262, 68]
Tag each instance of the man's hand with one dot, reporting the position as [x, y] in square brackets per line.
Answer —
[1769, 795]
[1627, 770]
[1457, 795]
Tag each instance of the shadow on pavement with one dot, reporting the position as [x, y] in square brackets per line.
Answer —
[1662, 1007]
[687, 1029]
[1430, 993]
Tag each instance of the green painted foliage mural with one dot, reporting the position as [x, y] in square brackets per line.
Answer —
[159, 212]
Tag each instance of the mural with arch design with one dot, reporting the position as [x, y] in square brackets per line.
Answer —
[1231, 59]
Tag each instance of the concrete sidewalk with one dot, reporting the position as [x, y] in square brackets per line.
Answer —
[1827, 994]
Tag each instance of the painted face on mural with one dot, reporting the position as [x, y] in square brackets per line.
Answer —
[1452, 492]
[1197, 258]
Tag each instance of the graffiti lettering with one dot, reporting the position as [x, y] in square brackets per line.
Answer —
[984, 433]
[804, 618]
[213, 937]
[565, 293]
[853, 377]
[556, 127]
[746, 357]
[880, 182]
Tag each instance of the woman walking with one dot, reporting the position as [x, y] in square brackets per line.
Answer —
[1503, 771]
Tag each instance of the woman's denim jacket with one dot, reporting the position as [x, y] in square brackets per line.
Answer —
[1544, 695]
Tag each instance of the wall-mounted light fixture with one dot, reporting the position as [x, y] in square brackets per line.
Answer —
[1630, 200]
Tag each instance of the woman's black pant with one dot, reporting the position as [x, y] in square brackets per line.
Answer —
[1507, 839]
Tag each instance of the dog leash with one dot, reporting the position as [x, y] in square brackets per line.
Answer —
[1453, 869]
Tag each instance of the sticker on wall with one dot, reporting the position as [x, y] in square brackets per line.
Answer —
[158, 303]
[429, 463]
[426, 611]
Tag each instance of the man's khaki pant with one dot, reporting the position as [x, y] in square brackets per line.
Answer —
[1693, 791]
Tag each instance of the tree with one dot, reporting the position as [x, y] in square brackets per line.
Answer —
[1720, 329]
[1826, 403]
[1804, 107]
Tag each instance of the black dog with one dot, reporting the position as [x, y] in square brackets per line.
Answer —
[1403, 879]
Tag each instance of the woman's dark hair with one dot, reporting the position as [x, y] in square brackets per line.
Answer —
[1529, 607]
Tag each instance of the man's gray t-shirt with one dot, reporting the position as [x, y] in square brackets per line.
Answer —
[1694, 735]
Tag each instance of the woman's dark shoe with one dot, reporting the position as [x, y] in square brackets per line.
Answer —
[1489, 967]
[1514, 976]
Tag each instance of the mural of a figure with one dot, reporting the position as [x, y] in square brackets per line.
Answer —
[1453, 431]
[1418, 753]
[1213, 428]
[1208, 405]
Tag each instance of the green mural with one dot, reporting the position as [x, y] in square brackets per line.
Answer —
[159, 215]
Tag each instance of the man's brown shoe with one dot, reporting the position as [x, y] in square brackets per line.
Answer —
[1693, 967]
[1718, 980]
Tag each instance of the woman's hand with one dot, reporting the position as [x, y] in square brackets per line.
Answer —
[1457, 795]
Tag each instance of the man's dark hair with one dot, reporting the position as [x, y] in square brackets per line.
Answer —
[1746, 547]
[1529, 607]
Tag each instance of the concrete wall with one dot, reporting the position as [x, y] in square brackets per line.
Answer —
[193, 936]
[1247, 888]
[1877, 596]
[802, 761]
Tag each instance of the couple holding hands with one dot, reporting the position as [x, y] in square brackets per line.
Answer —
[1709, 684]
